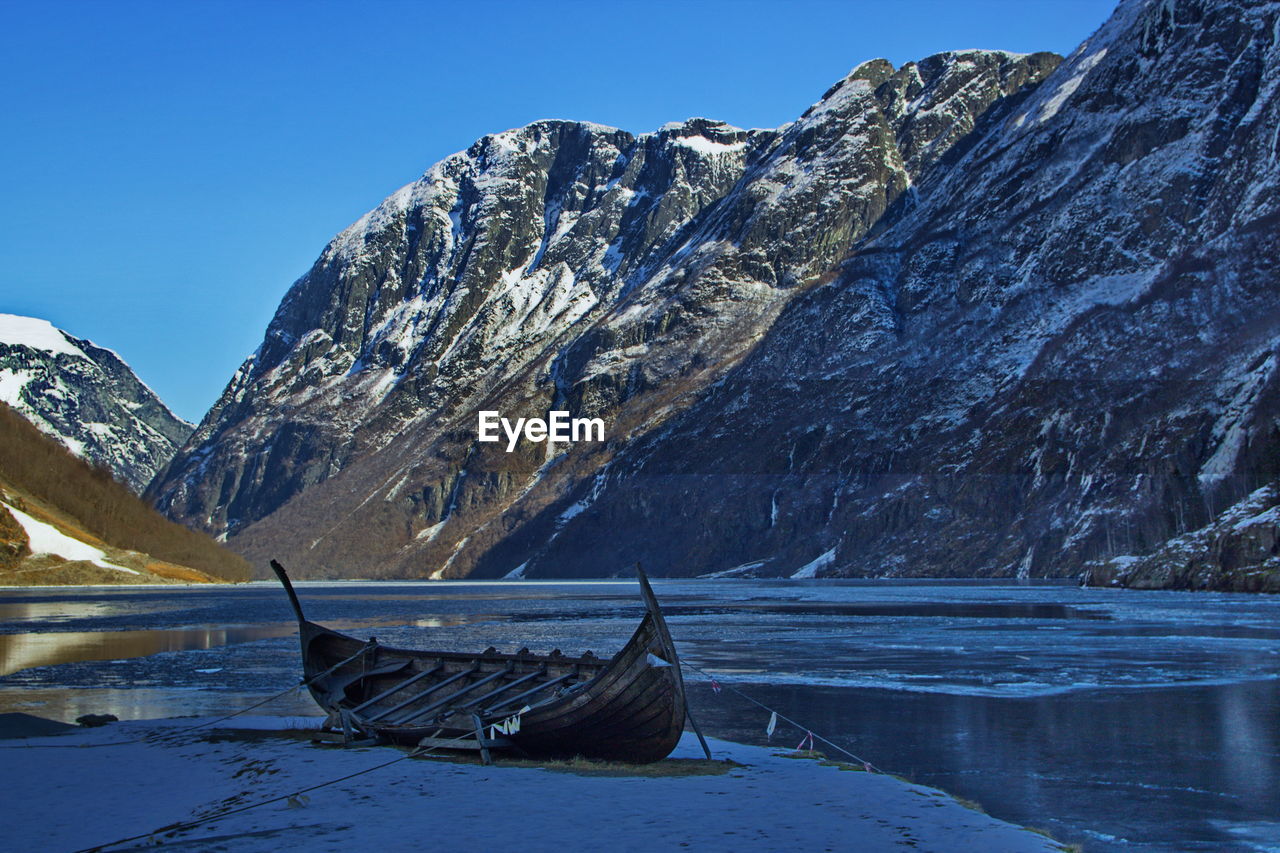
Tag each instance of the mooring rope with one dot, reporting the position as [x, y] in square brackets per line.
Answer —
[810, 734]
[418, 752]
[717, 685]
[188, 824]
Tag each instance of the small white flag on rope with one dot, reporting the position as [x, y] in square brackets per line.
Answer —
[773, 724]
[509, 726]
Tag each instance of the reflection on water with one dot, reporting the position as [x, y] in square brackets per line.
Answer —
[1146, 767]
[25, 651]
[1126, 721]
[147, 703]
[60, 610]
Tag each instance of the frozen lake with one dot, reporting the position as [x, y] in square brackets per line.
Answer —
[1121, 720]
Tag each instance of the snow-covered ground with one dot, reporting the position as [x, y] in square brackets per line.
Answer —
[64, 799]
[47, 539]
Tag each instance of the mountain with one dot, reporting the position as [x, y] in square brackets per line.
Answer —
[88, 399]
[985, 314]
[1059, 348]
[64, 521]
[1237, 551]
[561, 264]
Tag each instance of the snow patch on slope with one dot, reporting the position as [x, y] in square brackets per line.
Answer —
[811, 569]
[47, 539]
[1231, 432]
[743, 570]
[708, 147]
[1069, 86]
[11, 384]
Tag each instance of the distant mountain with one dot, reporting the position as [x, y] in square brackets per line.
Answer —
[985, 314]
[87, 398]
[63, 521]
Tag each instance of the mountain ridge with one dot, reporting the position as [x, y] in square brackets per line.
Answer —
[635, 222]
[985, 314]
[1012, 420]
[87, 398]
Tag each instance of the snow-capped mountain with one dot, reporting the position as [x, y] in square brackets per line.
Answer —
[87, 398]
[1061, 346]
[982, 314]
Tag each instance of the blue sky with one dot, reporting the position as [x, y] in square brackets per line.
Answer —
[172, 167]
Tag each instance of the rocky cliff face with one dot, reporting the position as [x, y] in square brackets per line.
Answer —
[88, 399]
[1060, 346]
[983, 314]
[1239, 551]
[558, 265]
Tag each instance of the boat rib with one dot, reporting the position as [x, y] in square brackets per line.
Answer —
[628, 708]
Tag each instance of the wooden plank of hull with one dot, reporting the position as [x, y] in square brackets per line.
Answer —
[613, 707]
[598, 702]
[630, 664]
[646, 706]
[602, 719]
[626, 735]
[626, 712]
[625, 709]
[636, 718]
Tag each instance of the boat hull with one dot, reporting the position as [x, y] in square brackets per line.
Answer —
[630, 708]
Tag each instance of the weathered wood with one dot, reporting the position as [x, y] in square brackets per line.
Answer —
[484, 747]
[341, 681]
[335, 667]
[612, 715]
[651, 603]
[625, 708]
[426, 673]
[512, 701]
[450, 699]
[524, 679]
[423, 694]
[626, 667]
[288, 587]
[348, 729]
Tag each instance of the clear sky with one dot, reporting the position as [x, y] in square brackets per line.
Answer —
[171, 167]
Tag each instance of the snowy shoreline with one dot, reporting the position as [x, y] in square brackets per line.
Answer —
[76, 795]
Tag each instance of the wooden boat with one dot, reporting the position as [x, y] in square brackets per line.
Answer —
[629, 708]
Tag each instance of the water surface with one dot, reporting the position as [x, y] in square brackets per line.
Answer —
[1122, 720]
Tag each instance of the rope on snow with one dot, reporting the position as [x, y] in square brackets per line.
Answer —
[774, 716]
[188, 824]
